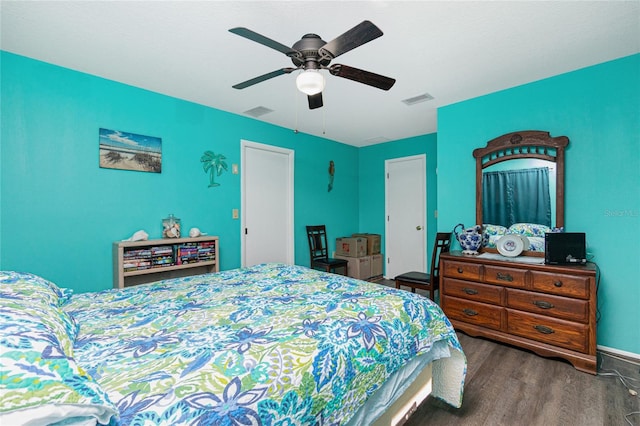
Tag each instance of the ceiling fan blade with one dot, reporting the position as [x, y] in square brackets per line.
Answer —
[259, 38]
[362, 76]
[315, 101]
[362, 33]
[263, 77]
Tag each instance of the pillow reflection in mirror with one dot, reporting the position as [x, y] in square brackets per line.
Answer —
[491, 234]
[536, 244]
[529, 229]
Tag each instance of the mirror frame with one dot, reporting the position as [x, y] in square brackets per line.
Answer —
[524, 144]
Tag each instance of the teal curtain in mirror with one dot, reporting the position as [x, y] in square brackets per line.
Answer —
[516, 196]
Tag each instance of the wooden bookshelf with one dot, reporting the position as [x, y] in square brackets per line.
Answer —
[139, 262]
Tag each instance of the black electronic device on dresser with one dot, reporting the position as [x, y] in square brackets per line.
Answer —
[565, 248]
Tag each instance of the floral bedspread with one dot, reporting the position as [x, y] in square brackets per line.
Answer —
[271, 344]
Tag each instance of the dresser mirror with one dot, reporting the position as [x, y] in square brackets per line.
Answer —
[520, 187]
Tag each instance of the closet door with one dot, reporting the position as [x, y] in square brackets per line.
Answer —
[405, 208]
[267, 204]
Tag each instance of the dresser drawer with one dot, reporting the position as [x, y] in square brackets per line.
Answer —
[468, 271]
[473, 312]
[546, 304]
[544, 329]
[510, 277]
[565, 285]
[473, 291]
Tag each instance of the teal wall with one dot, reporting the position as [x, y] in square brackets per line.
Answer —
[372, 183]
[61, 212]
[598, 108]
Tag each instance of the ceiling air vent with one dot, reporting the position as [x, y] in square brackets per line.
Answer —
[258, 111]
[417, 99]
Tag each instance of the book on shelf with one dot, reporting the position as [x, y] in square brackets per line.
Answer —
[207, 251]
[137, 254]
[136, 265]
[207, 258]
[163, 260]
[161, 250]
[187, 253]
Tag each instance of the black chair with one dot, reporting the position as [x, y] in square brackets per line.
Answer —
[319, 252]
[429, 282]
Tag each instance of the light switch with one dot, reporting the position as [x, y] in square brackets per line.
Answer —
[234, 213]
[234, 169]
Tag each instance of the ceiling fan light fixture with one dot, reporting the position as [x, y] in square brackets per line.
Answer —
[310, 82]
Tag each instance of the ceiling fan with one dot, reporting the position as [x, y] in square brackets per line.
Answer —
[312, 54]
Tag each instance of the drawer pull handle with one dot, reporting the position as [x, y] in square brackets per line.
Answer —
[469, 312]
[460, 270]
[470, 291]
[504, 277]
[558, 283]
[542, 304]
[544, 330]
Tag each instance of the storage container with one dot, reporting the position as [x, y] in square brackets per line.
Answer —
[373, 242]
[377, 262]
[351, 247]
[359, 267]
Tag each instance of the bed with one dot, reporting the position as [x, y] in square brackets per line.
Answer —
[272, 344]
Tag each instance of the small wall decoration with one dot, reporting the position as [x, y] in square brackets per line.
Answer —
[128, 151]
[332, 170]
[214, 165]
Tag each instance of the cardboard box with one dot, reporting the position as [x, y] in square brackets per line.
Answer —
[373, 242]
[351, 247]
[377, 263]
[359, 267]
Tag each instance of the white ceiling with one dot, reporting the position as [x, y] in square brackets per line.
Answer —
[452, 50]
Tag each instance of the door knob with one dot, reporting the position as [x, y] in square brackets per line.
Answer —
[418, 228]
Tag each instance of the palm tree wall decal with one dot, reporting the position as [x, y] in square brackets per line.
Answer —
[214, 165]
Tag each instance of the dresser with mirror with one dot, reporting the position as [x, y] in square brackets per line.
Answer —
[548, 309]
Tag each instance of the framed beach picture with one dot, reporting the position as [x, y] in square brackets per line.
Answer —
[128, 151]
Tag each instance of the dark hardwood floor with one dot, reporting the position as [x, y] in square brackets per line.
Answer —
[509, 386]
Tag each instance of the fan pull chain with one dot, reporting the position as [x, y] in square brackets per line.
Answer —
[297, 98]
[324, 121]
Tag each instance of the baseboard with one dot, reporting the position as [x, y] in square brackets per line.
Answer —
[625, 354]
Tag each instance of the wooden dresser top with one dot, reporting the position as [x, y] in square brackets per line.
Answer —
[588, 269]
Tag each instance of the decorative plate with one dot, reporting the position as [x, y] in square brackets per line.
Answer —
[510, 245]
[526, 244]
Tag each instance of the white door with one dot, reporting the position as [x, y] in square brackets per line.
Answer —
[267, 204]
[405, 208]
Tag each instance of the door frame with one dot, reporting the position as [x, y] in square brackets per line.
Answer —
[387, 212]
[244, 145]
